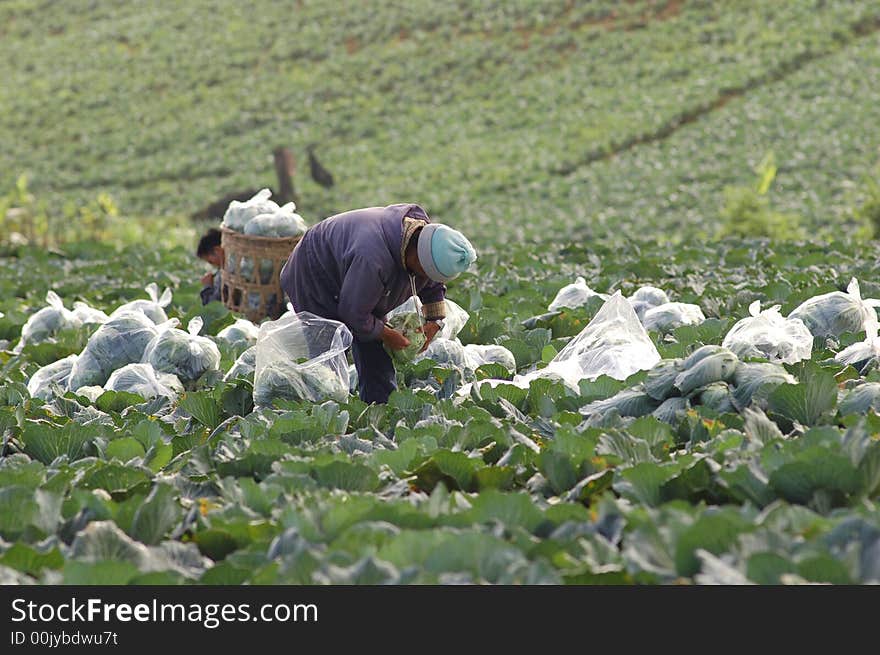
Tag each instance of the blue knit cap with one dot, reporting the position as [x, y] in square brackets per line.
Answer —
[444, 253]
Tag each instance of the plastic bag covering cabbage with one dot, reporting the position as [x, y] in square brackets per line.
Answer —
[48, 321]
[574, 295]
[769, 334]
[183, 353]
[409, 324]
[301, 357]
[154, 308]
[40, 384]
[120, 341]
[242, 331]
[145, 381]
[89, 315]
[284, 222]
[455, 320]
[647, 297]
[243, 366]
[447, 353]
[614, 343]
[671, 315]
[239, 213]
[479, 354]
[832, 314]
[861, 353]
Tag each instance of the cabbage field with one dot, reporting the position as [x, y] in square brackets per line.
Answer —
[773, 482]
[669, 371]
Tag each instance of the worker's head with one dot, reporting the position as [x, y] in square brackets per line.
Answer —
[443, 253]
[209, 248]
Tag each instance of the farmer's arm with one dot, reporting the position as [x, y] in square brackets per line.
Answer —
[433, 297]
[210, 287]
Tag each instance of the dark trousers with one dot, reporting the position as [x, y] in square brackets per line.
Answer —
[376, 378]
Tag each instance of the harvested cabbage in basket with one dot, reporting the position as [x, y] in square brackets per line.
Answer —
[238, 214]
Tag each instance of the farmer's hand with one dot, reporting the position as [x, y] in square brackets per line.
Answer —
[394, 339]
[207, 279]
[430, 331]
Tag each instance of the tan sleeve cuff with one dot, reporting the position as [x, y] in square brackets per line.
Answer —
[434, 309]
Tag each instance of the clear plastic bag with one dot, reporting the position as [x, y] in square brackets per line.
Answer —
[48, 321]
[574, 295]
[455, 320]
[145, 381]
[183, 353]
[240, 332]
[479, 354]
[154, 308]
[121, 340]
[58, 372]
[860, 354]
[446, 353]
[832, 314]
[646, 298]
[769, 334]
[89, 315]
[301, 357]
[614, 343]
[238, 214]
[409, 324]
[282, 223]
[671, 315]
[244, 366]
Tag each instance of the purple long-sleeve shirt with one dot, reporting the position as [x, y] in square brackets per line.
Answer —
[348, 268]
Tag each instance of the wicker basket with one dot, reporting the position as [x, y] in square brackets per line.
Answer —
[251, 275]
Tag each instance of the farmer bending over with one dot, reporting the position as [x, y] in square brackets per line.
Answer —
[210, 250]
[357, 266]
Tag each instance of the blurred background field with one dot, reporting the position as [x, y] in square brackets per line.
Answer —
[511, 120]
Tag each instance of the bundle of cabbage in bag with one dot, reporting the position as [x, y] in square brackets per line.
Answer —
[142, 379]
[479, 354]
[614, 343]
[864, 353]
[42, 382]
[646, 298]
[832, 314]
[239, 333]
[574, 295]
[770, 335]
[243, 366]
[409, 324]
[182, 353]
[47, 322]
[455, 320]
[89, 315]
[284, 379]
[301, 357]
[670, 315]
[154, 308]
[121, 340]
[447, 353]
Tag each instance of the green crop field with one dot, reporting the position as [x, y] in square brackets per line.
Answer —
[724, 152]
